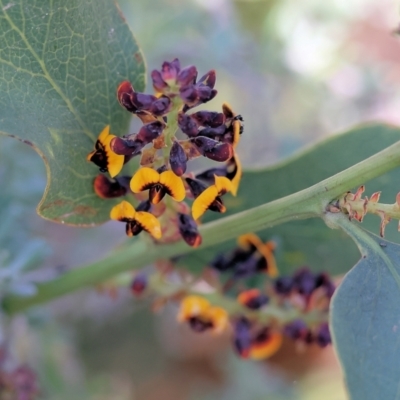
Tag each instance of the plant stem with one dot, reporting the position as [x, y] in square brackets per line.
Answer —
[308, 203]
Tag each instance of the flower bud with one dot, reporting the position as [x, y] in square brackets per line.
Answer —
[213, 149]
[177, 159]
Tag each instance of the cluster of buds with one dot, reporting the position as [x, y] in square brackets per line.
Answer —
[257, 319]
[164, 157]
[357, 207]
[18, 383]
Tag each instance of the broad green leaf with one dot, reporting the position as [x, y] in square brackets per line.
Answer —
[309, 241]
[365, 317]
[60, 64]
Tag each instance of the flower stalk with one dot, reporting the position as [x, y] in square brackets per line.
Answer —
[308, 203]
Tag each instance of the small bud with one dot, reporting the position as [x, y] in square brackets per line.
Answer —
[210, 119]
[304, 281]
[111, 188]
[177, 159]
[296, 330]
[139, 284]
[126, 147]
[188, 230]
[323, 335]
[187, 76]
[187, 125]
[242, 337]
[149, 132]
[213, 149]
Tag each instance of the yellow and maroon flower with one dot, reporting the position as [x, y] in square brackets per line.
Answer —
[136, 221]
[158, 184]
[232, 170]
[254, 343]
[252, 299]
[234, 124]
[188, 230]
[267, 262]
[104, 157]
[201, 315]
[210, 198]
[265, 344]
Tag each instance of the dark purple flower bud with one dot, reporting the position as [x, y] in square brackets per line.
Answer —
[304, 281]
[208, 175]
[296, 330]
[139, 284]
[144, 206]
[323, 280]
[160, 106]
[126, 147]
[187, 125]
[111, 188]
[283, 285]
[213, 133]
[142, 101]
[221, 263]
[242, 337]
[246, 268]
[187, 76]
[213, 149]
[205, 94]
[170, 70]
[158, 83]
[149, 132]
[323, 335]
[208, 79]
[196, 187]
[258, 302]
[211, 119]
[189, 95]
[177, 159]
[124, 95]
[188, 230]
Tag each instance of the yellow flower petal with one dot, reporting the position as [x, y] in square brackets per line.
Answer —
[103, 156]
[144, 179]
[236, 126]
[115, 162]
[192, 306]
[123, 211]
[203, 201]
[149, 223]
[173, 184]
[104, 134]
[223, 185]
[218, 317]
[262, 350]
[234, 173]
[266, 250]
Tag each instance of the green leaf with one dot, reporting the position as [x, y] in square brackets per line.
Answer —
[60, 64]
[365, 317]
[308, 241]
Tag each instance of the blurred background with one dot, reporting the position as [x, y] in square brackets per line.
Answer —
[297, 71]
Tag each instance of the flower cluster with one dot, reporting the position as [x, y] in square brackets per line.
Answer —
[163, 157]
[258, 319]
